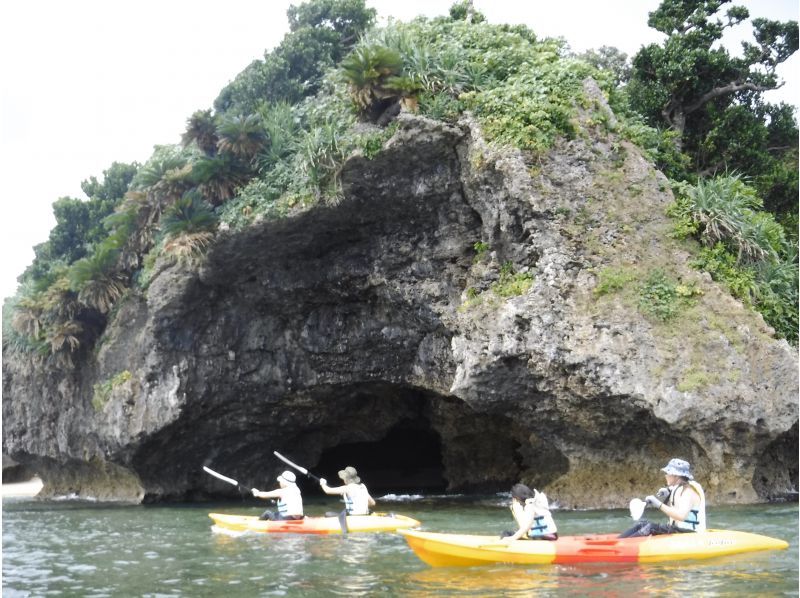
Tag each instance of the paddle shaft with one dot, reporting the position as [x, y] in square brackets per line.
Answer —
[302, 470]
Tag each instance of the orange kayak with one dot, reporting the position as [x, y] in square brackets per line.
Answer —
[377, 522]
[448, 550]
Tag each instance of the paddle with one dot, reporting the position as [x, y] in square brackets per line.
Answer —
[231, 481]
[636, 507]
[304, 471]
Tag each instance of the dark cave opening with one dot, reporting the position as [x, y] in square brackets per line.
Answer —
[408, 459]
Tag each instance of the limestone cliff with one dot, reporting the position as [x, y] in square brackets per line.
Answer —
[377, 333]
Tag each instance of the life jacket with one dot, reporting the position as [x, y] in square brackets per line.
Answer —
[696, 519]
[543, 522]
[356, 499]
[290, 502]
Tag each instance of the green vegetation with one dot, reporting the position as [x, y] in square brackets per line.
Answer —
[711, 102]
[695, 380]
[481, 250]
[662, 298]
[102, 390]
[744, 247]
[611, 280]
[510, 283]
[656, 294]
[277, 136]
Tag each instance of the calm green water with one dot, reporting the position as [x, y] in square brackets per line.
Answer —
[80, 549]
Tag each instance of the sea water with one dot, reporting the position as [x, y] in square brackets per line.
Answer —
[75, 548]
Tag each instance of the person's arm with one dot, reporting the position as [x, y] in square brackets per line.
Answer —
[277, 493]
[370, 500]
[323, 483]
[684, 501]
[524, 518]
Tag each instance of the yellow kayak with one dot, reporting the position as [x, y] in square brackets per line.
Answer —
[449, 550]
[376, 522]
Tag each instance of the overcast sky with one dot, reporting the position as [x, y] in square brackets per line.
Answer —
[89, 82]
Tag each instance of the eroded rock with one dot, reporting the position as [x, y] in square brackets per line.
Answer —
[372, 332]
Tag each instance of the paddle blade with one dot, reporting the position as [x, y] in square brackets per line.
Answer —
[219, 476]
[637, 506]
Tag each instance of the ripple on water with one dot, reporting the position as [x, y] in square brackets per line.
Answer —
[168, 551]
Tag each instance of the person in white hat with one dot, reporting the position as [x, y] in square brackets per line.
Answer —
[357, 500]
[683, 501]
[290, 501]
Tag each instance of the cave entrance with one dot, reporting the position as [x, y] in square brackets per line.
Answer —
[407, 459]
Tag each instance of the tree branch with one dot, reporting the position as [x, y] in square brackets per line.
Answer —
[731, 87]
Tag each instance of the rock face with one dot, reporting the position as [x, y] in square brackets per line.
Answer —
[379, 333]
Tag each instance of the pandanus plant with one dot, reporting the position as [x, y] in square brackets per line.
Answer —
[725, 210]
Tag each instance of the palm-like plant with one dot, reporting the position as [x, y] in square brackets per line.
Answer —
[132, 227]
[725, 209]
[218, 177]
[242, 136]
[190, 246]
[28, 317]
[760, 238]
[190, 214]
[96, 279]
[717, 205]
[188, 226]
[201, 127]
[373, 74]
[65, 335]
[163, 179]
[59, 301]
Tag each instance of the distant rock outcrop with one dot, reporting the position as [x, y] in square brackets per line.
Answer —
[441, 327]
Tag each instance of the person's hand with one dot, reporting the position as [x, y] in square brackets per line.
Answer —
[323, 482]
[662, 494]
[653, 501]
[255, 491]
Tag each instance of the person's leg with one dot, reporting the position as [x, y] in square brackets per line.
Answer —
[659, 529]
[640, 528]
[267, 516]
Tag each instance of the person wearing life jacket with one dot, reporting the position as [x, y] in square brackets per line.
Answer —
[532, 513]
[357, 500]
[683, 501]
[290, 501]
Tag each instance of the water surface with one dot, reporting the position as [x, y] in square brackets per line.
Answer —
[69, 548]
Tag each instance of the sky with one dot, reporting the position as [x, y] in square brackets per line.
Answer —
[85, 83]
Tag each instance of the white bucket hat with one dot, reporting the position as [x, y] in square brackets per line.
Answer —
[349, 475]
[678, 467]
[288, 477]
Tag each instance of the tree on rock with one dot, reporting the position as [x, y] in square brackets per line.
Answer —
[682, 81]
